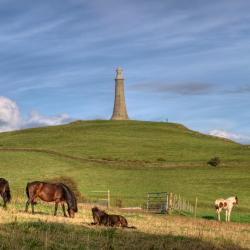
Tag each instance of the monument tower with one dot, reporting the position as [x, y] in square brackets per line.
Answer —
[119, 111]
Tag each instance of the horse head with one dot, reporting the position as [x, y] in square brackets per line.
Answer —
[236, 200]
[71, 212]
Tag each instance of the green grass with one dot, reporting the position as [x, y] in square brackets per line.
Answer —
[128, 140]
[130, 159]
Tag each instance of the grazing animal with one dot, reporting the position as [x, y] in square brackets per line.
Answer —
[57, 192]
[100, 217]
[227, 205]
[5, 191]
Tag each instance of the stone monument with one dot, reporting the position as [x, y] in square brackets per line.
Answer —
[119, 111]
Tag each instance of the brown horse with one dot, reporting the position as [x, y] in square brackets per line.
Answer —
[100, 217]
[5, 191]
[57, 192]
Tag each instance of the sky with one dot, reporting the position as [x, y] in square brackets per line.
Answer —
[183, 61]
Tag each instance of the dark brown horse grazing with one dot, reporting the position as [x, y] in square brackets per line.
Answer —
[5, 191]
[57, 192]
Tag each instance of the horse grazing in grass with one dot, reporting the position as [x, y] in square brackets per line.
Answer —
[100, 217]
[227, 205]
[5, 191]
[57, 192]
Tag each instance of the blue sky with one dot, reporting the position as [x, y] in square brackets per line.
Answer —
[185, 61]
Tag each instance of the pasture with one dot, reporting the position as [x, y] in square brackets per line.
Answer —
[130, 159]
[19, 230]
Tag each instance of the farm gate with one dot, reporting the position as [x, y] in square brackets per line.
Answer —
[157, 202]
[100, 198]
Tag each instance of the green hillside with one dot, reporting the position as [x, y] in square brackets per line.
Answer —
[130, 158]
[128, 140]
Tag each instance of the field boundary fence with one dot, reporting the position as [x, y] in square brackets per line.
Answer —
[100, 197]
[180, 204]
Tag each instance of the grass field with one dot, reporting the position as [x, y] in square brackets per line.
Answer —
[130, 159]
[19, 230]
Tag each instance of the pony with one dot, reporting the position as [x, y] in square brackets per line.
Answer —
[225, 204]
[57, 192]
[5, 191]
[100, 217]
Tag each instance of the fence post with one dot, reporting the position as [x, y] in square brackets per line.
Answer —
[195, 208]
[148, 202]
[108, 198]
[170, 203]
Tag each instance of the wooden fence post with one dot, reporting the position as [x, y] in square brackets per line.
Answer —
[170, 203]
[195, 208]
[108, 199]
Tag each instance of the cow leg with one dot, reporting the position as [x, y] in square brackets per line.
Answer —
[63, 209]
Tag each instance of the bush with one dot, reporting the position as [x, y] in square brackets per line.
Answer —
[160, 159]
[215, 161]
[71, 183]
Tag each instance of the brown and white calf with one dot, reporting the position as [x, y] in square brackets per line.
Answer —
[225, 204]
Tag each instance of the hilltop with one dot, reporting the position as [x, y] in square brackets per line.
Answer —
[128, 140]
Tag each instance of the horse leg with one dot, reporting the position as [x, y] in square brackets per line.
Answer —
[56, 206]
[4, 200]
[32, 207]
[229, 215]
[226, 215]
[63, 209]
[218, 214]
[27, 205]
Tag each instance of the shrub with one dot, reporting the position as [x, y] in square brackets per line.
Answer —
[71, 183]
[215, 161]
[160, 159]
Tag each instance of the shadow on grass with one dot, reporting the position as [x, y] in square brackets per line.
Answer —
[43, 235]
[209, 217]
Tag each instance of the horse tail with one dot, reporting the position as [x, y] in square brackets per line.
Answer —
[27, 190]
[28, 193]
[7, 191]
[70, 198]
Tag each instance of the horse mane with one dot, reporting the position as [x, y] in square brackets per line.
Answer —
[70, 197]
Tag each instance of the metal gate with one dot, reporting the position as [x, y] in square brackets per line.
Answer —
[157, 202]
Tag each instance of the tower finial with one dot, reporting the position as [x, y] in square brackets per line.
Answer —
[119, 74]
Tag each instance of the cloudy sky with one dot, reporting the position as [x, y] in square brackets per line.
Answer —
[184, 61]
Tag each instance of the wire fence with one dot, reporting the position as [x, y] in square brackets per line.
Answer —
[180, 204]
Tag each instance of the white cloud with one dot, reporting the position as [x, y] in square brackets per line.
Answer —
[37, 120]
[241, 138]
[11, 119]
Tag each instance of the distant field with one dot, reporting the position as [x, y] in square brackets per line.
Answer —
[130, 159]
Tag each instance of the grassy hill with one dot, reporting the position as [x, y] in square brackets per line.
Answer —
[130, 158]
[128, 140]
